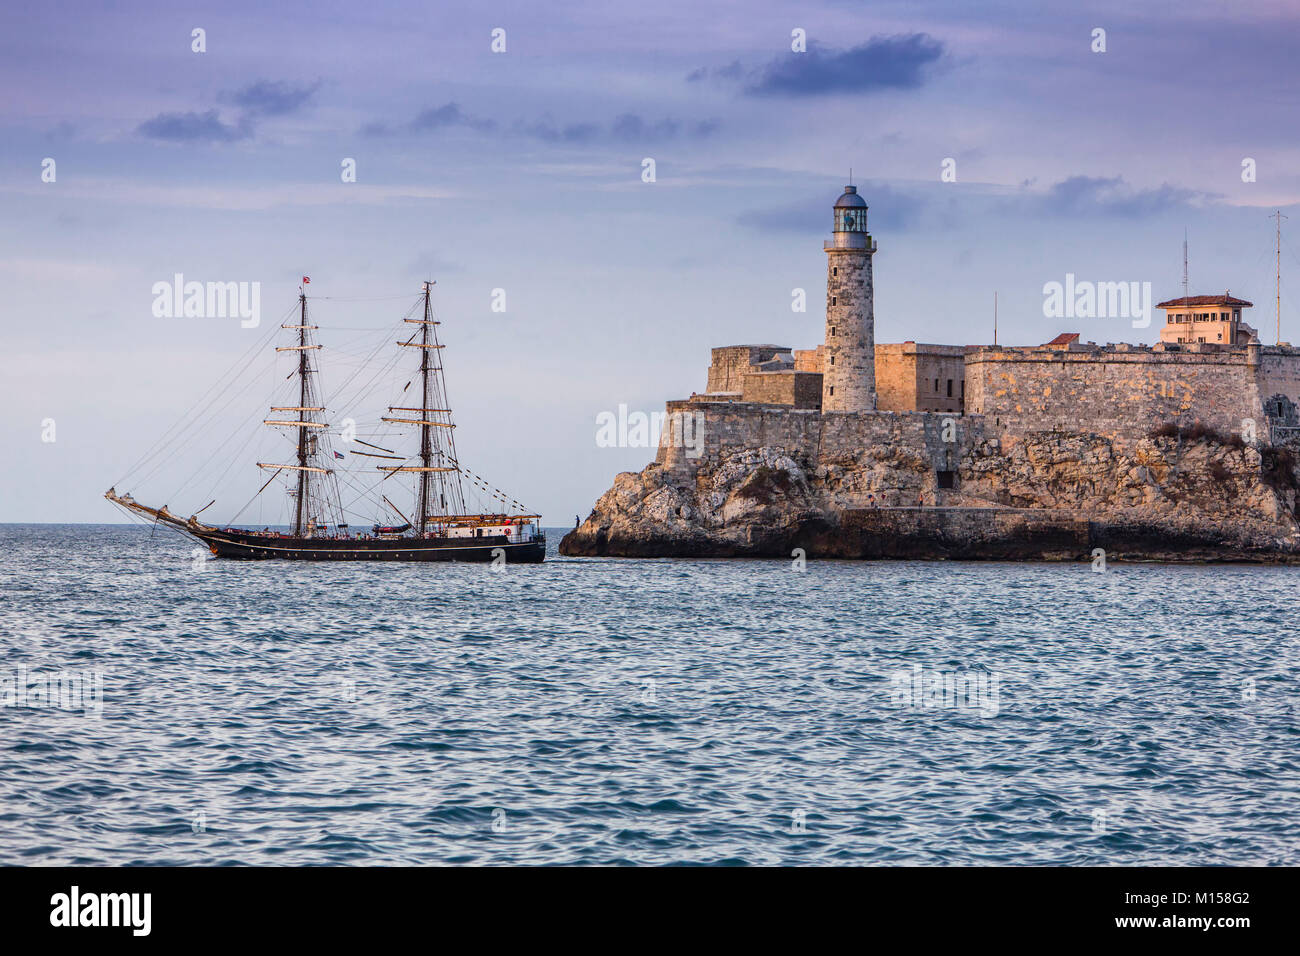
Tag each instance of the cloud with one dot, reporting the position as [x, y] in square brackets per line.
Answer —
[271, 98]
[547, 130]
[630, 126]
[263, 98]
[449, 114]
[1113, 197]
[626, 127]
[433, 118]
[883, 62]
[896, 210]
[733, 71]
[194, 128]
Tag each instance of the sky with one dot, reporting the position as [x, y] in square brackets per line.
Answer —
[523, 169]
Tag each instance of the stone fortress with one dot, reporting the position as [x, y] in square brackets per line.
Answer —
[1178, 450]
[1207, 366]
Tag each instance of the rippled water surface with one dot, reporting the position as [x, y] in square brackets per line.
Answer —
[612, 711]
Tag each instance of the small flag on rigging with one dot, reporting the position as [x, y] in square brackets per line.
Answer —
[306, 280]
[338, 454]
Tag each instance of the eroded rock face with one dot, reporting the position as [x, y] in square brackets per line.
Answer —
[1047, 495]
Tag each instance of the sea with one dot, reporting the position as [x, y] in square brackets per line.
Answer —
[161, 708]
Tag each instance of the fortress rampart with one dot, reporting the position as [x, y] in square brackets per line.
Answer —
[726, 428]
[1121, 392]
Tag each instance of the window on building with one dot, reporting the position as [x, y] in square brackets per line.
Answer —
[835, 271]
[1201, 338]
[936, 385]
[833, 299]
[832, 359]
[950, 389]
[832, 389]
[946, 479]
[963, 389]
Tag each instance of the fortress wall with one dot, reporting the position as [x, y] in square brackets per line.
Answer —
[895, 378]
[810, 360]
[730, 427]
[945, 363]
[1121, 395]
[731, 363]
[906, 374]
[794, 388]
[1279, 372]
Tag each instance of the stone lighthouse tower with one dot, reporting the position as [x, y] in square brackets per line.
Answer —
[849, 371]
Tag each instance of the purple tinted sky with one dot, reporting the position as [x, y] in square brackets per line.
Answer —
[522, 171]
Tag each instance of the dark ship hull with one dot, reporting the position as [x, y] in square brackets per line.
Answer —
[250, 545]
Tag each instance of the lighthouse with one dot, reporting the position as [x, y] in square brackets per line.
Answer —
[849, 370]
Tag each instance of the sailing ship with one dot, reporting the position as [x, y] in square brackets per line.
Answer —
[438, 528]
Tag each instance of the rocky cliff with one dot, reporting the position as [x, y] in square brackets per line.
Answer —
[1185, 494]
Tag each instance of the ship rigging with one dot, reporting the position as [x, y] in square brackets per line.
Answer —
[438, 525]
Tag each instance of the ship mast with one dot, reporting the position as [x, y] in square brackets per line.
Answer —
[426, 438]
[306, 442]
[437, 460]
[302, 415]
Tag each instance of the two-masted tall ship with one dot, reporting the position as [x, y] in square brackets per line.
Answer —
[438, 526]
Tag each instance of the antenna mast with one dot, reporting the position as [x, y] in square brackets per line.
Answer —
[995, 318]
[1185, 292]
[1279, 217]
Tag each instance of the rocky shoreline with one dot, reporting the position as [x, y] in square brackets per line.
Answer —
[1184, 496]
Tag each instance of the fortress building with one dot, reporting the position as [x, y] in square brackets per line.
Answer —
[1208, 365]
[1208, 319]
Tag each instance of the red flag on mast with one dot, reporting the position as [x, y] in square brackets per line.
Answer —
[306, 280]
